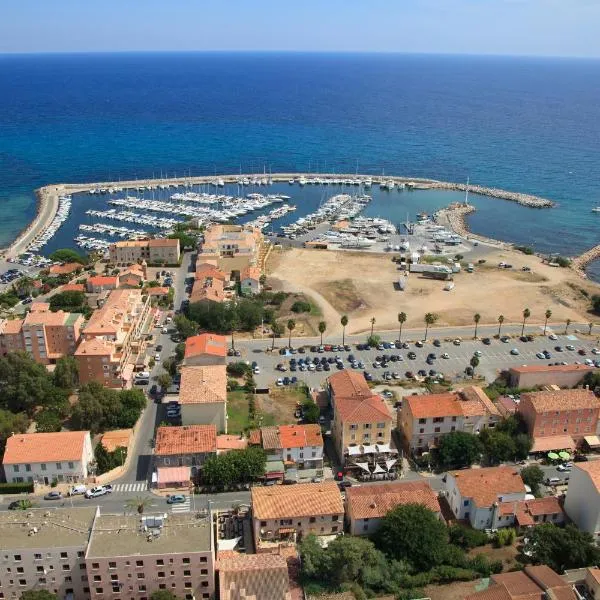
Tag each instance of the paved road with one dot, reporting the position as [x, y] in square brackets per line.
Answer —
[495, 357]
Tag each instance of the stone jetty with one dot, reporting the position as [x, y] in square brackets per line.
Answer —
[579, 263]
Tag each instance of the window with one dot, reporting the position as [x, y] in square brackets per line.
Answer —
[115, 588]
[438, 419]
[436, 430]
[95, 565]
[58, 466]
[114, 577]
[16, 468]
[334, 518]
[28, 468]
[112, 565]
[141, 576]
[63, 555]
[465, 503]
[203, 559]
[312, 519]
[139, 563]
[367, 426]
[454, 419]
[186, 560]
[162, 586]
[80, 554]
[97, 578]
[20, 570]
[99, 590]
[334, 528]
[22, 581]
[161, 574]
[40, 569]
[187, 584]
[203, 571]
[66, 567]
[37, 556]
[71, 465]
[142, 587]
[422, 421]
[262, 524]
[17, 557]
[160, 561]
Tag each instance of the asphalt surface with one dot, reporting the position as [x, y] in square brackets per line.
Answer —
[494, 358]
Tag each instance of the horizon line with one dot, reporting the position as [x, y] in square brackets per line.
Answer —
[298, 52]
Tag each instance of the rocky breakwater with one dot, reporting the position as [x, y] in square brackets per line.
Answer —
[579, 263]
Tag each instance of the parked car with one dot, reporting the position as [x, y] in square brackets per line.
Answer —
[437, 343]
[53, 496]
[78, 490]
[486, 341]
[100, 490]
[176, 499]
[515, 352]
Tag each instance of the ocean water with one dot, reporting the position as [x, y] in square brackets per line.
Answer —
[522, 124]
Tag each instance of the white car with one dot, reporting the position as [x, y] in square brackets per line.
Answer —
[478, 353]
[97, 491]
[563, 468]
[515, 352]
[570, 347]
[280, 382]
[157, 357]
[553, 336]
[445, 355]
[540, 355]
[595, 351]
[456, 342]
[589, 362]
[256, 370]
[165, 330]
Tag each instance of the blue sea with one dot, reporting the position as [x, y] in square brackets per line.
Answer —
[522, 124]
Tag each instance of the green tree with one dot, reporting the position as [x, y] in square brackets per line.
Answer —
[170, 365]
[47, 420]
[23, 286]
[11, 423]
[310, 411]
[234, 467]
[291, 325]
[185, 327]
[401, 320]
[533, 476]
[526, 315]
[66, 255]
[139, 504]
[547, 315]
[276, 331]
[458, 449]
[179, 352]
[164, 380]
[500, 321]
[70, 301]
[66, 373]
[474, 362]
[322, 328]
[314, 558]
[498, 445]
[430, 319]
[344, 322]
[414, 534]
[163, 595]
[185, 239]
[561, 549]
[568, 324]
[372, 325]
[476, 319]
[38, 595]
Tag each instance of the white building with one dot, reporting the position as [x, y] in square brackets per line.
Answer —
[582, 504]
[298, 446]
[203, 396]
[476, 494]
[45, 457]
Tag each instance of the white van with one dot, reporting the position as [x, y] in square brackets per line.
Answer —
[77, 490]
[142, 375]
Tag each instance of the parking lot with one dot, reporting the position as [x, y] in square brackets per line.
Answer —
[493, 358]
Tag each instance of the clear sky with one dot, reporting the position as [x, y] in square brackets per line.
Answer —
[534, 27]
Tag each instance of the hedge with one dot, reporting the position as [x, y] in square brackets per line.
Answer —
[16, 488]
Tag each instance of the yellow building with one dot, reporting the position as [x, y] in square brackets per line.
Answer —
[156, 251]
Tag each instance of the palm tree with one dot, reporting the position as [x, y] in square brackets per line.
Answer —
[276, 330]
[139, 503]
[476, 319]
[344, 322]
[401, 319]
[322, 328]
[526, 315]
[500, 321]
[372, 325]
[430, 319]
[590, 325]
[474, 362]
[567, 326]
[291, 325]
[548, 314]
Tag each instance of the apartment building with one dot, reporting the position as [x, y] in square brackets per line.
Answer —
[45, 335]
[564, 376]
[298, 446]
[45, 550]
[203, 396]
[290, 512]
[181, 452]
[367, 505]
[209, 269]
[549, 413]
[101, 283]
[423, 420]
[231, 247]
[209, 290]
[475, 495]
[45, 457]
[156, 251]
[113, 339]
[134, 276]
[582, 502]
[205, 349]
[362, 424]
[132, 556]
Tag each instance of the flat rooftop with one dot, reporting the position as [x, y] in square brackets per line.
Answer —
[56, 528]
[115, 535]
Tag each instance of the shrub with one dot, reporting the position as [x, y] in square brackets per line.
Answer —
[238, 369]
[300, 306]
[525, 249]
[504, 537]
[373, 340]
[25, 487]
[467, 537]
[446, 574]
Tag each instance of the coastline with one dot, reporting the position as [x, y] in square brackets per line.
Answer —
[48, 198]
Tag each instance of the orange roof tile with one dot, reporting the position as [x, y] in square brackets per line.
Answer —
[102, 281]
[476, 402]
[349, 384]
[119, 438]
[158, 291]
[486, 486]
[115, 313]
[44, 447]
[595, 573]
[375, 501]
[293, 501]
[40, 307]
[368, 410]
[188, 439]
[433, 405]
[65, 269]
[207, 289]
[231, 442]
[206, 269]
[203, 384]
[48, 318]
[206, 343]
[592, 468]
[254, 437]
[250, 272]
[553, 442]
[153, 243]
[531, 508]
[11, 326]
[300, 436]
[561, 400]
[94, 347]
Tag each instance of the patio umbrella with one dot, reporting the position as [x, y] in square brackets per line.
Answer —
[564, 455]
[553, 456]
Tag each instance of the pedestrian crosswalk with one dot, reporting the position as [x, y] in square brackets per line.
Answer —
[183, 507]
[138, 486]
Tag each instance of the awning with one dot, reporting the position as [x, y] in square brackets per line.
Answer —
[368, 449]
[390, 463]
[364, 466]
[593, 441]
[353, 450]
[378, 469]
[383, 447]
[167, 475]
[553, 442]
[274, 475]
[553, 456]
[286, 530]
[564, 455]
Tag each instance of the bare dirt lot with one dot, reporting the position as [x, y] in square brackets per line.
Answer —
[362, 286]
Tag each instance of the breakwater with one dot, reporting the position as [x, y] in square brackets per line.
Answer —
[579, 263]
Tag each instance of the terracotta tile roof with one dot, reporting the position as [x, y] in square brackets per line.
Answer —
[476, 400]
[485, 486]
[94, 347]
[517, 583]
[594, 573]
[65, 269]
[11, 326]
[526, 510]
[116, 312]
[119, 438]
[592, 468]
[369, 410]
[561, 400]
[231, 442]
[254, 437]
[533, 581]
[102, 281]
[44, 447]
[375, 501]
[253, 576]
[40, 306]
[431, 406]
[206, 269]
[250, 272]
[154, 243]
[207, 289]
[188, 439]
[293, 501]
[47, 318]
[203, 384]
[494, 592]
[349, 384]
[73, 287]
[553, 442]
[551, 369]
[277, 437]
[206, 343]
[158, 291]
[270, 437]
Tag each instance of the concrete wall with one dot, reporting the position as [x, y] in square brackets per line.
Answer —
[582, 503]
[563, 379]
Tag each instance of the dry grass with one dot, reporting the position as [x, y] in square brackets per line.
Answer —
[452, 591]
[280, 404]
[342, 295]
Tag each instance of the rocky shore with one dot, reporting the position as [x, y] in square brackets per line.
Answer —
[579, 263]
